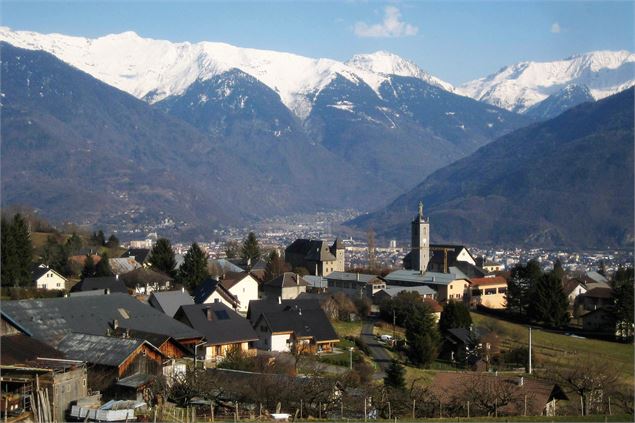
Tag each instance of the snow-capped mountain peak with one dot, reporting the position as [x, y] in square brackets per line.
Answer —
[519, 86]
[156, 69]
[386, 63]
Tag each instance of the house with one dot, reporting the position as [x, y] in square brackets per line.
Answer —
[292, 325]
[461, 345]
[169, 302]
[212, 291]
[446, 285]
[391, 291]
[27, 364]
[596, 298]
[108, 284]
[243, 287]
[316, 256]
[523, 396]
[286, 286]
[491, 266]
[573, 288]
[489, 292]
[46, 278]
[51, 319]
[141, 255]
[145, 280]
[316, 284]
[355, 285]
[118, 367]
[435, 308]
[168, 346]
[222, 327]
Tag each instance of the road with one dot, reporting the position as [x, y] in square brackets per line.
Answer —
[377, 351]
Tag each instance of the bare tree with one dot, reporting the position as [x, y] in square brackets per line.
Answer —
[372, 264]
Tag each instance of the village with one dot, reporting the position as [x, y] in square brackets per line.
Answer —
[304, 333]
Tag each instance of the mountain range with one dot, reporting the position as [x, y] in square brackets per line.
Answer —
[211, 134]
[566, 182]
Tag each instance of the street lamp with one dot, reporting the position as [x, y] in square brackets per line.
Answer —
[196, 352]
[351, 358]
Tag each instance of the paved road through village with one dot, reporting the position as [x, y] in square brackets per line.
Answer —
[377, 351]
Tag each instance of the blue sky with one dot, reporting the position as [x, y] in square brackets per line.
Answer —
[454, 40]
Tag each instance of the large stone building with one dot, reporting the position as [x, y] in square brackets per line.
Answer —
[316, 256]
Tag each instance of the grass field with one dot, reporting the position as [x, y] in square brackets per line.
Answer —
[344, 329]
[550, 348]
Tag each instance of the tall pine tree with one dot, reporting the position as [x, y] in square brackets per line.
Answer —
[250, 250]
[194, 268]
[395, 376]
[422, 336]
[548, 303]
[103, 266]
[519, 286]
[454, 315]
[23, 250]
[162, 257]
[9, 265]
[89, 268]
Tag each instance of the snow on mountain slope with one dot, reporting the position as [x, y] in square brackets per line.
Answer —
[386, 63]
[155, 69]
[518, 87]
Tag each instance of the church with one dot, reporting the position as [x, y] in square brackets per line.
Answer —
[447, 272]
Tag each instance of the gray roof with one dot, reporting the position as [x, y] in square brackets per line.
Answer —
[596, 276]
[394, 290]
[104, 350]
[258, 307]
[111, 283]
[140, 254]
[312, 249]
[309, 323]
[349, 276]
[208, 287]
[285, 280]
[123, 265]
[225, 265]
[316, 281]
[223, 326]
[50, 319]
[170, 301]
[415, 277]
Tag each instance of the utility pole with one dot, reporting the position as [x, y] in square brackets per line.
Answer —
[529, 350]
[394, 322]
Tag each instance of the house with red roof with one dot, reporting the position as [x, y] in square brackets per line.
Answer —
[489, 291]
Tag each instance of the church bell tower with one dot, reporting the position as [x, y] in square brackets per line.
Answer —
[420, 252]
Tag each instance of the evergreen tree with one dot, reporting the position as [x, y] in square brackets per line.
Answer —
[454, 315]
[422, 336]
[275, 266]
[73, 244]
[519, 286]
[250, 251]
[558, 270]
[103, 266]
[9, 265]
[99, 238]
[623, 302]
[395, 376]
[113, 241]
[89, 268]
[23, 250]
[194, 268]
[162, 257]
[548, 302]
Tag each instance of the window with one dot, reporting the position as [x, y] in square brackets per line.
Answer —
[477, 292]
[490, 291]
[450, 286]
[502, 290]
[59, 284]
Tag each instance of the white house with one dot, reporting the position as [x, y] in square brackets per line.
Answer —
[47, 278]
[242, 286]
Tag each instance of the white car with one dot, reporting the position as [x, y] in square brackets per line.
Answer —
[386, 338]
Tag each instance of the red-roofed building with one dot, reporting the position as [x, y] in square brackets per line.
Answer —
[489, 291]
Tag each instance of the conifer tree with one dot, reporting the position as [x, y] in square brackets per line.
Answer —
[275, 266]
[395, 376]
[23, 250]
[162, 257]
[73, 244]
[89, 268]
[250, 250]
[113, 241]
[194, 268]
[99, 238]
[422, 336]
[454, 315]
[9, 265]
[232, 249]
[548, 302]
[103, 266]
[623, 301]
[519, 286]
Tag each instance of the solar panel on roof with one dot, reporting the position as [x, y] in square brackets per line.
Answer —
[221, 314]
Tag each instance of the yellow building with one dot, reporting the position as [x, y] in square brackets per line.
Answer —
[489, 291]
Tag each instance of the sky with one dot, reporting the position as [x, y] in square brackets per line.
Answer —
[456, 41]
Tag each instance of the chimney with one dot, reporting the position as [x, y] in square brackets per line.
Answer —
[183, 289]
[297, 279]
[279, 300]
[209, 313]
[117, 277]
[107, 291]
[115, 324]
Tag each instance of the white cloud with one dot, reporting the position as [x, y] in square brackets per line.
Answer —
[391, 27]
[555, 28]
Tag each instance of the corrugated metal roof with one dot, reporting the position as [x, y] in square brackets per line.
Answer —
[104, 350]
[414, 276]
[170, 301]
[394, 290]
[349, 276]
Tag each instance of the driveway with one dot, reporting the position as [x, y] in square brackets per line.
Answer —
[381, 356]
